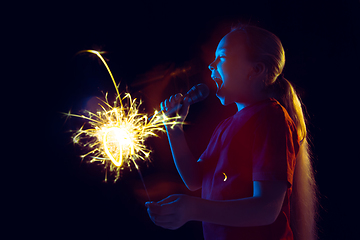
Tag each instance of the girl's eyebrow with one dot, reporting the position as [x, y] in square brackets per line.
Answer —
[221, 50]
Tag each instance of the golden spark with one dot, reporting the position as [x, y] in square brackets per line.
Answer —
[225, 177]
[116, 135]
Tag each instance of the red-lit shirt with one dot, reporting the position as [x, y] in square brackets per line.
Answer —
[258, 143]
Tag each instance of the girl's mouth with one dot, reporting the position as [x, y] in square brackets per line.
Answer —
[219, 83]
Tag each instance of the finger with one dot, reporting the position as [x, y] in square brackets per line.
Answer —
[185, 107]
[168, 199]
[147, 204]
[152, 215]
[166, 103]
[171, 101]
[152, 207]
[186, 101]
[164, 221]
[162, 106]
[156, 209]
[178, 97]
[160, 219]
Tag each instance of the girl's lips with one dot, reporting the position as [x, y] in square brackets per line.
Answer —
[219, 83]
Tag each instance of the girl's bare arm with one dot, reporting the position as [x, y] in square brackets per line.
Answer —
[185, 162]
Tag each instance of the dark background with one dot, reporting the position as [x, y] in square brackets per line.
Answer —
[147, 42]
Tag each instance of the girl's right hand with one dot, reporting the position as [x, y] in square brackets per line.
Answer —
[177, 103]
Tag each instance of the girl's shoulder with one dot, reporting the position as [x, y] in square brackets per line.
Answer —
[261, 109]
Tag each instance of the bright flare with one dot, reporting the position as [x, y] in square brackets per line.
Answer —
[116, 135]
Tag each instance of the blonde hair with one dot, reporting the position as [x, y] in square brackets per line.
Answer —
[263, 46]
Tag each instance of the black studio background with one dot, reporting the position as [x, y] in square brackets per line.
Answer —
[146, 42]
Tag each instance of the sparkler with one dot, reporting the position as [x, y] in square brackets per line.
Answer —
[116, 135]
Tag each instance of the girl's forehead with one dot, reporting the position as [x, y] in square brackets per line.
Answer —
[233, 41]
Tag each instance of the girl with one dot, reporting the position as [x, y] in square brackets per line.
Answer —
[255, 175]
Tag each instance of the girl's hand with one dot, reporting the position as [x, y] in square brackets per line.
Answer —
[171, 212]
[177, 102]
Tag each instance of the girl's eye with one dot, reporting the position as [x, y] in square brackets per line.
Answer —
[219, 58]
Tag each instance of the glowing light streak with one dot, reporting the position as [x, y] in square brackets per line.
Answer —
[116, 135]
[225, 177]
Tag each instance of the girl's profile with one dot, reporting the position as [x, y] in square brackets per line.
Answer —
[255, 176]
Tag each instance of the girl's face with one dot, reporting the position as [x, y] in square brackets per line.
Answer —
[231, 71]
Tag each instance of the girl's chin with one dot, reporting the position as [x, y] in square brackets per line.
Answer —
[224, 101]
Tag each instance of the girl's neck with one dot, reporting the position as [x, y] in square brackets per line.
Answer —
[241, 105]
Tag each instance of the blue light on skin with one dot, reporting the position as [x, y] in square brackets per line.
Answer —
[238, 79]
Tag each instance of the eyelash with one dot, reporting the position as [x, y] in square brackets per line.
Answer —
[219, 57]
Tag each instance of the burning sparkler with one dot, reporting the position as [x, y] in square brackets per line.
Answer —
[116, 135]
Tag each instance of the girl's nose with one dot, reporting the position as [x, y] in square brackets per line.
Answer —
[211, 66]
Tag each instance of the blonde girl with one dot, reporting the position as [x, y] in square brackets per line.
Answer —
[255, 176]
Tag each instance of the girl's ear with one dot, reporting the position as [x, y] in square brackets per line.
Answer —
[259, 69]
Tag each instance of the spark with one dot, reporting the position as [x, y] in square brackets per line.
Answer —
[225, 177]
[116, 135]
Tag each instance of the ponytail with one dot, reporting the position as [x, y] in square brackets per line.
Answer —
[304, 195]
[286, 95]
[263, 46]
